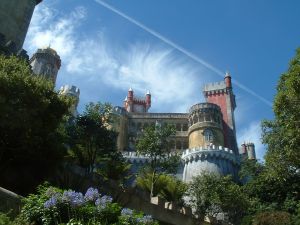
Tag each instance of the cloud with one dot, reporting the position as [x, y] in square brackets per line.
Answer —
[171, 78]
[252, 133]
[45, 29]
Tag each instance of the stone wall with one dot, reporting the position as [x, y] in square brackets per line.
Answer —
[15, 16]
[9, 202]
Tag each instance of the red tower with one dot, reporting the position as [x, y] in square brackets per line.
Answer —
[221, 94]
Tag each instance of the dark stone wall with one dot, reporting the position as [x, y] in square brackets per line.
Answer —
[15, 17]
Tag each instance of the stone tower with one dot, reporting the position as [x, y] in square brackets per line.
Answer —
[221, 94]
[46, 62]
[206, 140]
[74, 92]
[205, 125]
[15, 16]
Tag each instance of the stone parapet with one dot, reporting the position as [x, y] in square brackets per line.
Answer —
[158, 115]
[195, 154]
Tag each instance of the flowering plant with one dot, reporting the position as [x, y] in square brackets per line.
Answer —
[54, 206]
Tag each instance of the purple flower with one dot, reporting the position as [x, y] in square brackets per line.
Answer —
[145, 220]
[91, 194]
[73, 198]
[51, 202]
[127, 212]
[102, 202]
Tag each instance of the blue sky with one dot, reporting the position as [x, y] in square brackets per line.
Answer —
[104, 53]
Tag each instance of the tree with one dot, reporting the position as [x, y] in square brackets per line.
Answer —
[30, 117]
[155, 143]
[211, 194]
[91, 141]
[282, 135]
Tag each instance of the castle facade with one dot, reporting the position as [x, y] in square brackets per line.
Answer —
[205, 136]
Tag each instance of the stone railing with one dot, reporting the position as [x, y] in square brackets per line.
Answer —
[10, 202]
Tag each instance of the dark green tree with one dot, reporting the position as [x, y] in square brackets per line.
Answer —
[30, 117]
[274, 191]
[91, 141]
[282, 135]
[211, 194]
[155, 143]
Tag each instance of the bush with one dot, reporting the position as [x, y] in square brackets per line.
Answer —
[272, 218]
[55, 206]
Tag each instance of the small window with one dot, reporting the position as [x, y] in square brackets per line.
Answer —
[208, 135]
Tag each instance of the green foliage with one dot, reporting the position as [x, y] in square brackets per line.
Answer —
[4, 219]
[55, 206]
[115, 168]
[211, 194]
[250, 169]
[156, 144]
[167, 187]
[272, 218]
[174, 190]
[90, 139]
[30, 116]
[282, 135]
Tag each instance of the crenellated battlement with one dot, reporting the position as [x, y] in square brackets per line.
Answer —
[216, 86]
[203, 153]
[70, 90]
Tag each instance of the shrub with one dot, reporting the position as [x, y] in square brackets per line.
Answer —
[55, 206]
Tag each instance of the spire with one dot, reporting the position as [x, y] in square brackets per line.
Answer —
[148, 93]
[130, 89]
[227, 74]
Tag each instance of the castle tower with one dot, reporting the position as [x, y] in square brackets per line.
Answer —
[135, 104]
[221, 93]
[46, 62]
[74, 92]
[206, 140]
[15, 16]
[205, 126]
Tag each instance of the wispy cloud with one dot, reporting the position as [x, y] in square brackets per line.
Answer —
[252, 133]
[141, 65]
[49, 28]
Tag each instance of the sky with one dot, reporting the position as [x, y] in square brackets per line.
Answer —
[172, 48]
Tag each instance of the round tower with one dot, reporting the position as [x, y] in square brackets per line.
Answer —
[206, 140]
[205, 125]
[15, 16]
[251, 151]
[46, 62]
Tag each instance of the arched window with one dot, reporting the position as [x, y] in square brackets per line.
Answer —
[208, 135]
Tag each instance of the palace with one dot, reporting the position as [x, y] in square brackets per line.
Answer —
[205, 136]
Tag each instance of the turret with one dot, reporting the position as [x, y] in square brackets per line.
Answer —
[251, 151]
[148, 100]
[227, 80]
[248, 151]
[46, 62]
[74, 92]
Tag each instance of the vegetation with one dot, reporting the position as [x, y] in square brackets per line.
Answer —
[31, 143]
[155, 143]
[56, 206]
[166, 187]
[212, 194]
[89, 139]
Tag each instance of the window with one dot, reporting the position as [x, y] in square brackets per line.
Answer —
[208, 135]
